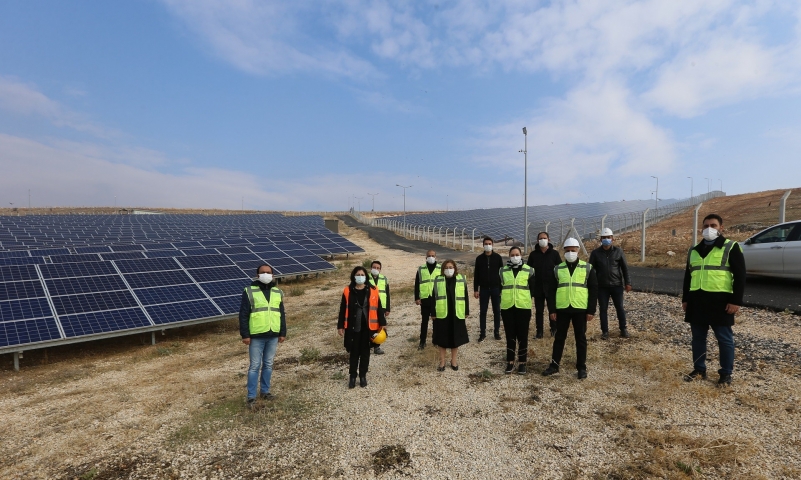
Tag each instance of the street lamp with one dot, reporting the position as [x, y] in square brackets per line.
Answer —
[373, 195]
[657, 192]
[525, 189]
[446, 202]
[404, 202]
[359, 199]
[721, 184]
[707, 185]
[691, 187]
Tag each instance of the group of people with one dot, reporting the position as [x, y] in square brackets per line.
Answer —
[713, 291]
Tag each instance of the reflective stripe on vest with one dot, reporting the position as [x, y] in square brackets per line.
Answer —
[372, 317]
[381, 285]
[427, 280]
[713, 272]
[440, 293]
[514, 289]
[571, 290]
[264, 316]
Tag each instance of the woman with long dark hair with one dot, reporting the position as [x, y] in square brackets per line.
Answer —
[360, 318]
[449, 309]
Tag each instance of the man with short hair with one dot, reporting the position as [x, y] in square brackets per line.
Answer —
[543, 259]
[423, 286]
[714, 284]
[381, 283]
[487, 286]
[610, 266]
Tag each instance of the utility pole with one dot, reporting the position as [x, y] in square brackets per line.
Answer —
[707, 185]
[404, 203]
[691, 187]
[373, 195]
[359, 199]
[525, 189]
[29, 199]
[657, 193]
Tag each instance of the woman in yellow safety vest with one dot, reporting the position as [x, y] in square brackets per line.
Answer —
[517, 288]
[449, 308]
[360, 317]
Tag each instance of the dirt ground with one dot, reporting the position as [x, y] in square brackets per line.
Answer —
[126, 409]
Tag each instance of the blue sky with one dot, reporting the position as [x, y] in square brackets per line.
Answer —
[301, 105]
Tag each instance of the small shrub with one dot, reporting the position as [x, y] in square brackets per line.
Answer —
[296, 290]
[163, 351]
[309, 355]
[367, 263]
[340, 375]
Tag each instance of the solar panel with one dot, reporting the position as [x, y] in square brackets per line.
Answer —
[21, 261]
[82, 257]
[122, 255]
[177, 312]
[233, 250]
[50, 251]
[71, 286]
[216, 273]
[225, 287]
[100, 322]
[148, 265]
[243, 257]
[230, 304]
[163, 253]
[14, 254]
[201, 261]
[126, 248]
[86, 269]
[183, 245]
[157, 279]
[199, 251]
[18, 290]
[24, 309]
[28, 331]
[93, 302]
[170, 294]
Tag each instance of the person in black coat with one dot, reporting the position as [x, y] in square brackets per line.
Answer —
[612, 270]
[487, 287]
[543, 259]
[358, 335]
[450, 331]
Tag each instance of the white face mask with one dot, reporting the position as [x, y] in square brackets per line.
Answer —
[487, 248]
[375, 272]
[431, 260]
[265, 278]
[515, 260]
[571, 256]
[360, 279]
[449, 272]
[710, 234]
[543, 242]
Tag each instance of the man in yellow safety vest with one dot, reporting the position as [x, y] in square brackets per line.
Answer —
[381, 283]
[423, 285]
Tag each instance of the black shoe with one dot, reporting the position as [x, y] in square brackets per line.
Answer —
[497, 336]
[267, 396]
[539, 334]
[454, 367]
[550, 370]
[521, 369]
[481, 338]
[604, 335]
[363, 381]
[378, 351]
[694, 375]
[441, 369]
[625, 333]
[724, 380]
[510, 367]
[582, 374]
[251, 403]
[352, 382]
[421, 346]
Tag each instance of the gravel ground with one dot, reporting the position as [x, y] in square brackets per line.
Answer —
[176, 410]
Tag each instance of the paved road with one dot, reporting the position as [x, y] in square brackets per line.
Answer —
[775, 294]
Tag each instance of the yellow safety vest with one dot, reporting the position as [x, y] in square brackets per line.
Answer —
[427, 280]
[514, 289]
[571, 290]
[381, 285]
[264, 316]
[441, 297]
[713, 272]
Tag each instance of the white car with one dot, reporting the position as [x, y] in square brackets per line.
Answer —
[775, 252]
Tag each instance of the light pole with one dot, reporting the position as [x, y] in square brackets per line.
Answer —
[446, 202]
[719, 180]
[657, 192]
[359, 199]
[404, 202]
[691, 187]
[707, 185]
[29, 198]
[373, 195]
[525, 189]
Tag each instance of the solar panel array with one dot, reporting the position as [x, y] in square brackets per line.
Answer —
[68, 277]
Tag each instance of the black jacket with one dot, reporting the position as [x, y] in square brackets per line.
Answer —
[244, 313]
[543, 264]
[592, 287]
[486, 273]
[710, 307]
[610, 267]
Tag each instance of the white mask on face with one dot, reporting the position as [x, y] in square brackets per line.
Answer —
[710, 234]
[375, 272]
[571, 257]
[543, 242]
[449, 272]
[360, 279]
[431, 260]
[265, 278]
[487, 248]
[515, 260]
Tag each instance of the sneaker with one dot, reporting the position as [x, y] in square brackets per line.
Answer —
[694, 375]
[510, 367]
[378, 351]
[582, 374]
[267, 396]
[521, 369]
[482, 337]
[352, 382]
[539, 334]
[251, 403]
[497, 336]
[363, 381]
[550, 370]
[604, 335]
[725, 380]
[625, 333]
[421, 346]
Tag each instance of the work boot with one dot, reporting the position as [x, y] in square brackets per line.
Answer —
[624, 333]
[378, 351]
[604, 335]
[421, 346]
[497, 335]
[521, 369]
[725, 380]
[482, 337]
[352, 382]
[363, 381]
[267, 396]
[552, 368]
[510, 367]
[582, 374]
[694, 375]
[251, 403]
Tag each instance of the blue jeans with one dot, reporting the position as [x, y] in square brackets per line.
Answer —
[262, 352]
[603, 306]
[485, 294]
[725, 337]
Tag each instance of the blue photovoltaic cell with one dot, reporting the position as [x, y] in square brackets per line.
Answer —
[178, 312]
[237, 241]
[160, 246]
[171, 294]
[50, 251]
[293, 269]
[280, 262]
[201, 261]
[157, 279]
[233, 250]
[319, 265]
[85, 269]
[225, 287]
[16, 290]
[99, 322]
[163, 253]
[21, 261]
[264, 248]
[148, 265]
[28, 331]
[213, 243]
[218, 273]
[71, 286]
[250, 267]
[199, 251]
[84, 257]
[230, 304]
[122, 255]
[14, 253]
[24, 309]
[93, 302]
[126, 248]
[243, 257]
[98, 249]
[183, 245]
[271, 256]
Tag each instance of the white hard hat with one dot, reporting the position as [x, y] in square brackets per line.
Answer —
[571, 242]
[606, 232]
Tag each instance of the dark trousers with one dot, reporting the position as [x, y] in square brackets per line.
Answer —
[515, 324]
[563, 321]
[539, 312]
[725, 337]
[603, 303]
[359, 361]
[485, 294]
[425, 313]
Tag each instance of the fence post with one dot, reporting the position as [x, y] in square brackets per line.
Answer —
[603, 224]
[453, 244]
[546, 226]
[473, 240]
[462, 238]
[446, 236]
[782, 206]
[642, 254]
[695, 225]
